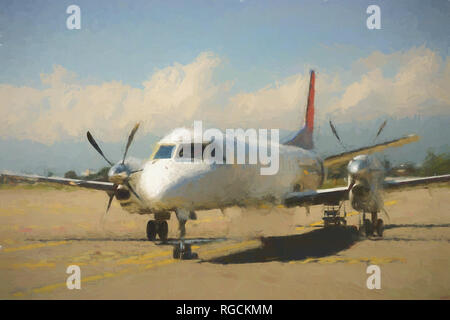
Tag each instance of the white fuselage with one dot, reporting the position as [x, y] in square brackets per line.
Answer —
[172, 182]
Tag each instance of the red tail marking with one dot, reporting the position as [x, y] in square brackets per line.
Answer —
[310, 106]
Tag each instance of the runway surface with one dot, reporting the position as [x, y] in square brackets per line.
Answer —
[243, 254]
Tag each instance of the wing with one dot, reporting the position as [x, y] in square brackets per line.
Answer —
[97, 185]
[333, 196]
[412, 182]
[347, 156]
[320, 196]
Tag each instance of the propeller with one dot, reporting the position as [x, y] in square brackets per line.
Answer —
[119, 173]
[333, 129]
[380, 129]
[130, 139]
[96, 147]
[111, 197]
[335, 133]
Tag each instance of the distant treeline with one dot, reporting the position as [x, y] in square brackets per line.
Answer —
[434, 164]
[101, 175]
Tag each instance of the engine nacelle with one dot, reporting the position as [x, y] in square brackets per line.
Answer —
[366, 175]
[365, 199]
[122, 194]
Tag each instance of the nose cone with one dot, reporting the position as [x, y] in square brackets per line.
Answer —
[169, 184]
[118, 173]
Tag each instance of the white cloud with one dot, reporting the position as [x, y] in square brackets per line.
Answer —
[67, 109]
[397, 84]
[420, 85]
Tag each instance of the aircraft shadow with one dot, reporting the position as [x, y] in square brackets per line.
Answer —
[424, 226]
[314, 244]
[393, 226]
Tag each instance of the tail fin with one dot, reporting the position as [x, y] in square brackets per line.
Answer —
[304, 138]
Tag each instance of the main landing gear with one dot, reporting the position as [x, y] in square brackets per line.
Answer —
[333, 216]
[160, 228]
[183, 250]
[374, 225]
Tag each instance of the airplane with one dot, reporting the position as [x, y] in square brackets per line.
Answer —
[169, 183]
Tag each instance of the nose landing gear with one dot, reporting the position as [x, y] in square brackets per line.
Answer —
[183, 251]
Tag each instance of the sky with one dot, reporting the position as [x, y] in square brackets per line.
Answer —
[229, 63]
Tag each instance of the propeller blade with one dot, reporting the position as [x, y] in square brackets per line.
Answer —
[132, 190]
[111, 197]
[96, 147]
[333, 128]
[334, 131]
[381, 128]
[103, 219]
[130, 139]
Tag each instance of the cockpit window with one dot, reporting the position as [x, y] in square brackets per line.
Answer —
[164, 152]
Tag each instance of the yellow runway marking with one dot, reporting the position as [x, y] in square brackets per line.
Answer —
[390, 203]
[35, 246]
[146, 265]
[147, 261]
[30, 265]
[90, 258]
[146, 258]
[329, 260]
[349, 214]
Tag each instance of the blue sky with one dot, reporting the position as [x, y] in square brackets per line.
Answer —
[218, 57]
[261, 41]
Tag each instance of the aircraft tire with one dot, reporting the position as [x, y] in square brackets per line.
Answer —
[176, 254]
[380, 227]
[163, 230]
[184, 252]
[151, 230]
[368, 227]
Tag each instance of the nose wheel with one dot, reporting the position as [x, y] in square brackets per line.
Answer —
[160, 228]
[183, 251]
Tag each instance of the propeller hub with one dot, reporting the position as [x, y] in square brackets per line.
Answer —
[358, 166]
[118, 173]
